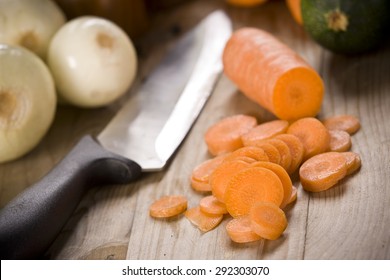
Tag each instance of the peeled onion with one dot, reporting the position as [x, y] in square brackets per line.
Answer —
[93, 61]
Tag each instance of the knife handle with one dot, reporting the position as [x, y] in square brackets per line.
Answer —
[31, 221]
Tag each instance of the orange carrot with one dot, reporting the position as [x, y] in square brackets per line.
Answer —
[272, 74]
[201, 173]
[296, 150]
[313, 135]
[294, 7]
[205, 222]
[249, 186]
[340, 141]
[168, 206]
[222, 175]
[294, 195]
[225, 135]
[268, 220]
[353, 161]
[272, 153]
[256, 153]
[323, 171]
[284, 151]
[348, 123]
[242, 158]
[264, 131]
[283, 176]
[246, 3]
[240, 231]
[211, 205]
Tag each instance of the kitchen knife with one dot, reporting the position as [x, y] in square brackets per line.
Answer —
[140, 138]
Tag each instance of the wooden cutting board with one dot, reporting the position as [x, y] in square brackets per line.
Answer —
[349, 221]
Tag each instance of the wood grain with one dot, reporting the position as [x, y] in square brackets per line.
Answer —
[349, 221]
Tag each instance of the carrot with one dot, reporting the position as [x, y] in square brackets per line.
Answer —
[272, 74]
[268, 220]
[283, 176]
[205, 222]
[255, 153]
[313, 135]
[240, 231]
[348, 123]
[294, 195]
[225, 135]
[294, 7]
[296, 150]
[222, 175]
[264, 131]
[211, 205]
[242, 158]
[249, 186]
[284, 151]
[340, 141]
[353, 161]
[168, 206]
[272, 153]
[201, 173]
[246, 3]
[323, 171]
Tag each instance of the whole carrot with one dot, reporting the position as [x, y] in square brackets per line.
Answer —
[272, 74]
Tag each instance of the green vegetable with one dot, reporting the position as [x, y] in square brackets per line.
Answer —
[347, 26]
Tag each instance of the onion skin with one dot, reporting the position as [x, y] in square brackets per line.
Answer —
[93, 62]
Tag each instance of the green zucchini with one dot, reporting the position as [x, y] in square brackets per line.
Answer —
[347, 26]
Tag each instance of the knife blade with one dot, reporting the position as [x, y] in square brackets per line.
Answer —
[140, 138]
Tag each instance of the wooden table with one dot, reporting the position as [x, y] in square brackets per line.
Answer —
[349, 221]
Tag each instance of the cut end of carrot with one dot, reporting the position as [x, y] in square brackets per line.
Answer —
[205, 222]
[168, 206]
[298, 93]
[240, 231]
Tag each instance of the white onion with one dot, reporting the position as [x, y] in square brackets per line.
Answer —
[93, 61]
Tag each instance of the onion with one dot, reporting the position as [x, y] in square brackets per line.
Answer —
[29, 23]
[92, 60]
[27, 101]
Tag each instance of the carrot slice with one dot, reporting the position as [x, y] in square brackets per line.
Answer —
[294, 7]
[211, 205]
[353, 161]
[200, 177]
[272, 153]
[348, 123]
[242, 158]
[340, 141]
[205, 222]
[256, 153]
[272, 74]
[222, 175]
[296, 150]
[249, 186]
[313, 135]
[240, 231]
[225, 135]
[283, 176]
[323, 171]
[264, 131]
[268, 220]
[246, 3]
[168, 206]
[284, 151]
[294, 195]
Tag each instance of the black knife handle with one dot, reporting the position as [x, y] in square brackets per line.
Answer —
[31, 221]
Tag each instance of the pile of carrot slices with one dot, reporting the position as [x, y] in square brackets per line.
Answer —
[249, 176]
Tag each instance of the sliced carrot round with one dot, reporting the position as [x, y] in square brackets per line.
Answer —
[294, 195]
[240, 231]
[256, 153]
[222, 175]
[323, 171]
[340, 141]
[272, 153]
[205, 222]
[296, 150]
[168, 206]
[347, 123]
[251, 185]
[283, 176]
[353, 161]
[200, 175]
[313, 135]
[211, 205]
[268, 220]
[264, 131]
[225, 135]
[200, 186]
[284, 151]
